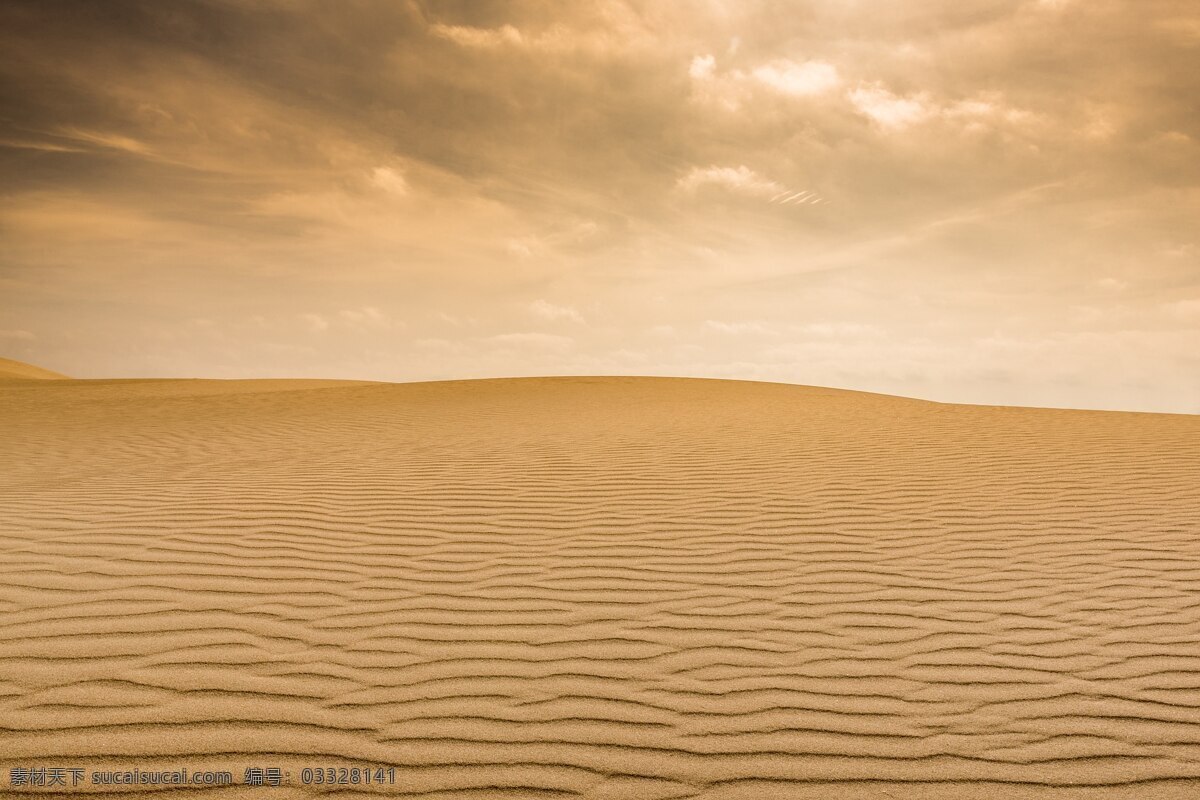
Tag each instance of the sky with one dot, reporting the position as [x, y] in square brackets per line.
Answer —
[982, 201]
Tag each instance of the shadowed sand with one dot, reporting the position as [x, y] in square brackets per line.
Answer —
[601, 588]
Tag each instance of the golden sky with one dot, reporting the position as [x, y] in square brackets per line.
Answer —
[990, 201]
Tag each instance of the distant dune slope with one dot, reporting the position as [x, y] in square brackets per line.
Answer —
[10, 369]
[600, 588]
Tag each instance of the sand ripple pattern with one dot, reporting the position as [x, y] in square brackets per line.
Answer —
[600, 588]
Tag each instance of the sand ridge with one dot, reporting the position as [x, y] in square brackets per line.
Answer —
[600, 588]
[19, 370]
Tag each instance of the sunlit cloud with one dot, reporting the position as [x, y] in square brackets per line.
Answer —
[49, 147]
[316, 323]
[702, 67]
[390, 180]
[890, 110]
[740, 327]
[368, 319]
[550, 311]
[114, 141]
[790, 77]
[478, 37]
[739, 179]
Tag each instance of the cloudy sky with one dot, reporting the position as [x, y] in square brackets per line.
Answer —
[989, 201]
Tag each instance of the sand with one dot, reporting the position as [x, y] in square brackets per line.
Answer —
[19, 370]
[600, 588]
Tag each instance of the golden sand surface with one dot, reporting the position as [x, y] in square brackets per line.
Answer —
[610, 588]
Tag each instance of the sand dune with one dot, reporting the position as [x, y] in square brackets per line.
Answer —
[598, 588]
[19, 370]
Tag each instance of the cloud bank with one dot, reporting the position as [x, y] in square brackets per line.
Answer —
[983, 200]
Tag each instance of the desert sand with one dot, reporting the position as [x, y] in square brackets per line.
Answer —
[634, 588]
[10, 369]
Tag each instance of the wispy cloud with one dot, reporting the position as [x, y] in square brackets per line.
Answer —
[739, 327]
[551, 311]
[316, 323]
[800, 79]
[468, 36]
[739, 179]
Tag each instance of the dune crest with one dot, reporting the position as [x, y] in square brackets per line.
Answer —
[599, 588]
[19, 370]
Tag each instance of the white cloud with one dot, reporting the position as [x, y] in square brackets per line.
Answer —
[316, 323]
[889, 110]
[467, 36]
[521, 248]
[48, 147]
[732, 90]
[390, 180]
[557, 38]
[702, 67]
[740, 179]
[550, 311]
[737, 327]
[789, 77]
[114, 141]
[367, 318]
[803, 197]
[981, 112]
[579, 232]
[454, 319]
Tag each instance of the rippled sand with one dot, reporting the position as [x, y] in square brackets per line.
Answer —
[600, 588]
